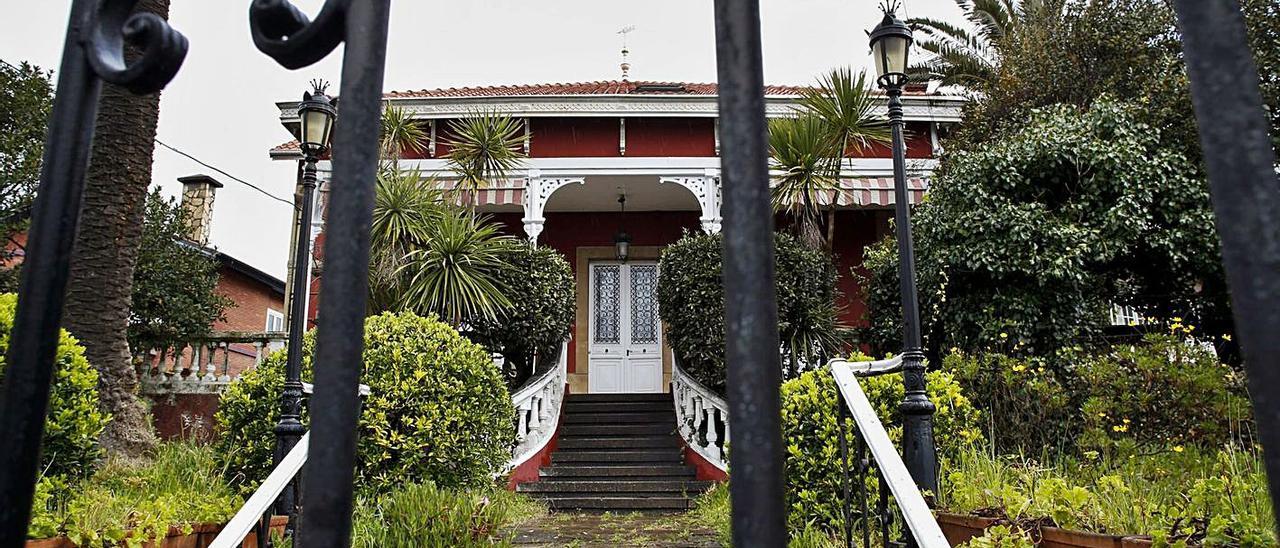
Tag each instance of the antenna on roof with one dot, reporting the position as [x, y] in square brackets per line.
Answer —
[626, 66]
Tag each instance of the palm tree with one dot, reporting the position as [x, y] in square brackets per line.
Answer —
[99, 293]
[454, 273]
[835, 117]
[971, 58]
[484, 147]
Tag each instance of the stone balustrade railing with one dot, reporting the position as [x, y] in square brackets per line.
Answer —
[703, 417]
[538, 410]
[205, 365]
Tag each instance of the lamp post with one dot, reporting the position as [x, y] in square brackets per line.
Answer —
[890, 42]
[317, 113]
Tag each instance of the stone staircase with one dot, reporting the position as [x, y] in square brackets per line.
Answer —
[617, 452]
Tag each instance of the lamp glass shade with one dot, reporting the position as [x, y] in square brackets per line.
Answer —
[622, 246]
[317, 124]
[890, 52]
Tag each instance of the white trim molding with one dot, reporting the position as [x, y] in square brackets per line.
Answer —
[707, 190]
[538, 191]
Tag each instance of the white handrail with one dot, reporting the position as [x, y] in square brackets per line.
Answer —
[915, 512]
[233, 534]
[538, 411]
[699, 411]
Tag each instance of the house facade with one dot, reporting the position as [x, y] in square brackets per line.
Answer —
[657, 144]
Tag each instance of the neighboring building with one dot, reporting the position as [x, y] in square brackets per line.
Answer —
[657, 143]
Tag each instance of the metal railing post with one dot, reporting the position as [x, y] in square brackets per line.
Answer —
[751, 311]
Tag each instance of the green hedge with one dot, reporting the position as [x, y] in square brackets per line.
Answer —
[70, 447]
[438, 410]
[809, 410]
[539, 284]
[691, 302]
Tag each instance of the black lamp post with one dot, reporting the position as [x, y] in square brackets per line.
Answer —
[317, 113]
[622, 240]
[890, 42]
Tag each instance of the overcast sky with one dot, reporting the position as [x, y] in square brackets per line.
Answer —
[221, 106]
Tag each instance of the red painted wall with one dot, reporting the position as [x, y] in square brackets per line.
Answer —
[668, 137]
[574, 137]
[854, 231]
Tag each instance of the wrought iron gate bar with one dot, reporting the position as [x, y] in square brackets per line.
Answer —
[1246, 197]
[327, 500]
[93, 51]
[751, 311]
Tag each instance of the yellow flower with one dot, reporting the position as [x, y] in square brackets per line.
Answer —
[1177, 449]
[1177, 319]
[1120, 428]
[1019, 368]
[1226, 337]
[1127, 421]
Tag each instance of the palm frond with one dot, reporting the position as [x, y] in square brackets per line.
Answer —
[405, 208]
[400, 133]
[806, 152]
[844, 102]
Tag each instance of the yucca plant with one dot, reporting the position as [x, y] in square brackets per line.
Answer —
[484, 147]
[405, 209]
[455, 272]
[400, 133]
[835, 117]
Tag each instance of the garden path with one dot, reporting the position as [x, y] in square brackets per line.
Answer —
[575, 530]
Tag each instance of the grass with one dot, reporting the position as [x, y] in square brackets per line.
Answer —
[1211, 496]
[713, 509]
[424, 515]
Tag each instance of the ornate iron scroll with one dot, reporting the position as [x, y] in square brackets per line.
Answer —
[93, 52]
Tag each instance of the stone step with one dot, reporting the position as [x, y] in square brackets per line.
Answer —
[617, 407]
[622, 471]
[616, 430]
[619, 503]
[666, 456]
[660, 396]
[617, 485]
[619, 442]
[648, 417]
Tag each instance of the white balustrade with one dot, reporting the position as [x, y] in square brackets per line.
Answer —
[702, 415]
[204, 366]
[538, 410]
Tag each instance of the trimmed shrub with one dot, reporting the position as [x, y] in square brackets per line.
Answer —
[691, 303]
[1027, 405]
[70, 447]
[438, 409]
[1164, 392]
[809, 411]
[539, 284]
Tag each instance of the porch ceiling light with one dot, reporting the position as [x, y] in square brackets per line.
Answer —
[890, 44]
[317, 113]
[622, 240]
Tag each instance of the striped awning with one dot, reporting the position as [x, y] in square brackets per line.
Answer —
[509, 192]
[871, 192]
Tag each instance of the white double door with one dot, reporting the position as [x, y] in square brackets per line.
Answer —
[625, 353]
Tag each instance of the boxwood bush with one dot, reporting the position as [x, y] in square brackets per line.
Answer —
[70, 447]
[539, 284]
[691, 303]
[809, 425]
[438, 410]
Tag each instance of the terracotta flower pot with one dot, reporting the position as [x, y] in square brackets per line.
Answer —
[1053, 537]
[959, 528]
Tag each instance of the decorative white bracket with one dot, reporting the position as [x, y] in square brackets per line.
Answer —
[537, 191]
[707, 191]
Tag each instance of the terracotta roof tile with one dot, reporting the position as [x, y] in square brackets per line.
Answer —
[608, 87]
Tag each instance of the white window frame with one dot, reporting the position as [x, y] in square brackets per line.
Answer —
[273, 313]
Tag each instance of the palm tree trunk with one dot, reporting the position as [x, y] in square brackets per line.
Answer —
[106, 250]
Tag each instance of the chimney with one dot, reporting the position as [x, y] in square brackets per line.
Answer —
[197, 200]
